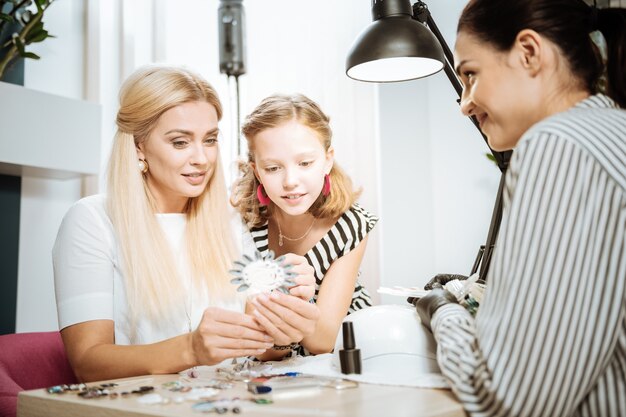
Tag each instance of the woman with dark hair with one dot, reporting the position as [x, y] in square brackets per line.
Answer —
[547, 79]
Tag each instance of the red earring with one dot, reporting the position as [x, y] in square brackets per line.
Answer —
[326, 188]
[264, 200]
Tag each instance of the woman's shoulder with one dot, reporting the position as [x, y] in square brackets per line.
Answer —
[595, 127]
[88, 211]
[592, 120]
[92, 203]
[85, 223]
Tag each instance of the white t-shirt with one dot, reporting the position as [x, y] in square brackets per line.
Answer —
[89, 281]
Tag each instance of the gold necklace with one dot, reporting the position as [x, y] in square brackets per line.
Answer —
[281, 236]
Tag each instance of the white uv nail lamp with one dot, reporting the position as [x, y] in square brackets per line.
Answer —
[392, 341]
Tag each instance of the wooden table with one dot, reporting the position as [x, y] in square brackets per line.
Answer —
[363, 401]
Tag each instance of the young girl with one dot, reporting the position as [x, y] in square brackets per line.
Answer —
[545, 77]
[297, 201]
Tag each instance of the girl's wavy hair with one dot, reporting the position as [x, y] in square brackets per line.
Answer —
[272, 112]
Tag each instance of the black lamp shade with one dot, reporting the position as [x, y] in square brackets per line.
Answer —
[394, 48]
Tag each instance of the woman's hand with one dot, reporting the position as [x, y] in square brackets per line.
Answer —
[224, 334]
[304, 279]
[286, 318]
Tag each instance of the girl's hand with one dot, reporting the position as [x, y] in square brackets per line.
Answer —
[224, 334]
[286, 318]
[304, 279]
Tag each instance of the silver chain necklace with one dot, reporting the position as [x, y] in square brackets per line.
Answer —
[281, 236]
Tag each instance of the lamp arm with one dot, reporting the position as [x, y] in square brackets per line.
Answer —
[422, 15]
[454, 80]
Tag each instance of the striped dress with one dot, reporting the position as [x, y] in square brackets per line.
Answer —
[345, 235]
[550, 336]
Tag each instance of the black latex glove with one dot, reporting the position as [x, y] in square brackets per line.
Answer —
[440, 280]
[427, 305]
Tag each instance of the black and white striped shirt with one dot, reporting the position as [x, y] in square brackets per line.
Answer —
[550, 336]
[345, 235]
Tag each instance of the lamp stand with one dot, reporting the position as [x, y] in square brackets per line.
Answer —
[422, 15]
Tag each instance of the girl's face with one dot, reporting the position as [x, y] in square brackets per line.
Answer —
[499, 88]
[181, 152]
[290, 162]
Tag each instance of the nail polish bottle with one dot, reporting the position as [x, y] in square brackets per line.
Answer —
[349, 356]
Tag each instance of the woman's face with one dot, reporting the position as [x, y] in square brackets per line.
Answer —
[291, 162]
[498, 89]
[181, 152]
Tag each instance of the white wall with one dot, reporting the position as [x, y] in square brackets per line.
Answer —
[101, 41]
[406, 185]
[301, 46]
[438, 188]
[421, 164]
[292, 46]
[104, 67]
[45, 201]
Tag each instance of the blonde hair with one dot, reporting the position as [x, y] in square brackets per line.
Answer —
[153, 286]
[274, 111]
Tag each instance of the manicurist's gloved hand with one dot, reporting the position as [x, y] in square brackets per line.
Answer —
[440, 280]
[426, 306]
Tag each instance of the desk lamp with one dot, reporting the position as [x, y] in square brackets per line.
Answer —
[398, 46]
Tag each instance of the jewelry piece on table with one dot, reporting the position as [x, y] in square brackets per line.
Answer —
[62, 389]
[244, 371]
[220, 406]
[261, 274]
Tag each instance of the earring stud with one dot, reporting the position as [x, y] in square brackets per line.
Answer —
[142, 164]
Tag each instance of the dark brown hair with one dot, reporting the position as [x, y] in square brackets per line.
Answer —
[567, 24]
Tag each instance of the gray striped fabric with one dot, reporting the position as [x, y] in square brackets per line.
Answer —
[550, 336]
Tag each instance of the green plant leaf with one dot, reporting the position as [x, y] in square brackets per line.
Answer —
[30, 55]
[36, 34]
[29, 27]
[38, 26]
[36, 37]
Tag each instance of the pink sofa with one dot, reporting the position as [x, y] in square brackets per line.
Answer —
[30, 361]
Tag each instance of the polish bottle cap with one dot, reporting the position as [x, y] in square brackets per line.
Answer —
[349, 356]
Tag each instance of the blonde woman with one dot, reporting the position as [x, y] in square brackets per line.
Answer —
[141, 273]
[297, 202]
